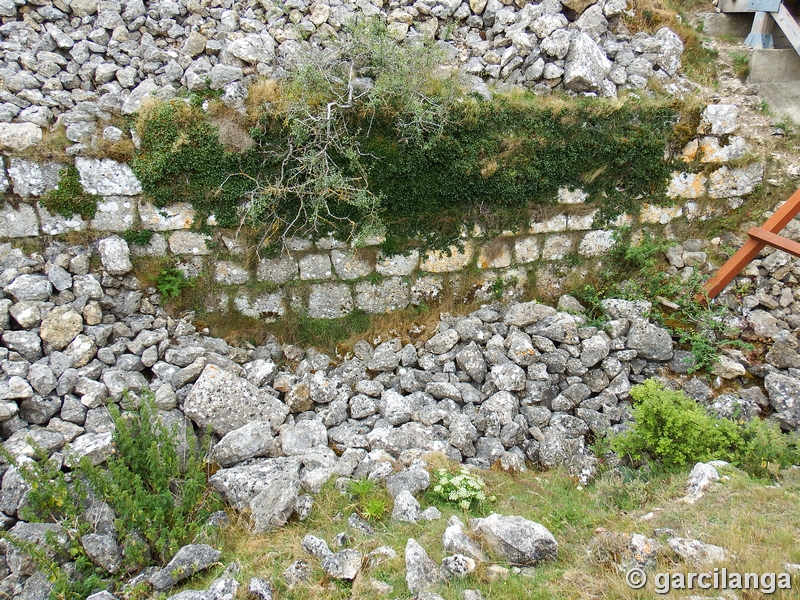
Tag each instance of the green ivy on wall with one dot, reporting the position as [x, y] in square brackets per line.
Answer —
[498, 159]
[490, 164]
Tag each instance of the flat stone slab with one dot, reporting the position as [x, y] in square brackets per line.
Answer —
[165, 218]
[107, 177]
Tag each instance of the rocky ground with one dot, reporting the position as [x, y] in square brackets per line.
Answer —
[507, 386]
[770, 133]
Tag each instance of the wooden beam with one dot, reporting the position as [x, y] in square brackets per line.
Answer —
[787, 211]
[733, 267]
[789, 26]
[753, 246]
[775, 240]
[760, 35]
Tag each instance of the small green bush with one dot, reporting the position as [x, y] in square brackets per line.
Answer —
[765, 449]
[678, 432]
[69, 197]
[155, 490]
[171, 282]
[160, 497]
[674, 429]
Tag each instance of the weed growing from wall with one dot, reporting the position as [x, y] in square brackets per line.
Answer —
[495, 160]
[171, 281]
[140, 237]
[69, 197]
[182, 160]
[636, 272]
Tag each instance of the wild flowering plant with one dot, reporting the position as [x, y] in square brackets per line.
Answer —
[464, 489]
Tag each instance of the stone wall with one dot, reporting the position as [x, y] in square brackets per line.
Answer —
[507, 386]
[328, 279]
[79, 63]
[510, 385]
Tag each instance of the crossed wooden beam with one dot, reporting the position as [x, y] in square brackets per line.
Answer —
[766, 235]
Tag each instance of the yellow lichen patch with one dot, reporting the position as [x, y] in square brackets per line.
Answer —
[689, 153]
[454, 259]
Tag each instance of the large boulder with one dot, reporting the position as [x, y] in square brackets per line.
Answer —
[697, 553]
[526, 313]
[29, 288]
[586, 65]
[650, 341]
[455, 540]
[60, 327]
[413, 479]
[115, 255]
[559, 327]
[700, 479]
[342, 565]
[19, 136]
[253, 48]
[252, 440]
[186, 562]
[302, 437]
[240, 484]
[421, 572]
[784, 396]
[224, 402]
[144, 90]
[271, 508]
[669, 56]
[517, 540]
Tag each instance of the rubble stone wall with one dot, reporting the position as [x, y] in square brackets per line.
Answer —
[327, 279]
[79, 63]
[509, 385]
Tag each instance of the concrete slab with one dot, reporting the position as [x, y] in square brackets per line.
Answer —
[783, 98]
[738, 25]
[768, 66]
[717, 24]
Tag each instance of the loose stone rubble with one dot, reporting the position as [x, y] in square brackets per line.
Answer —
[78, 64]
[507, 386]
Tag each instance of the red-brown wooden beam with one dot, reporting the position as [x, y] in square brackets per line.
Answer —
[777, 241]
[755, 244]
